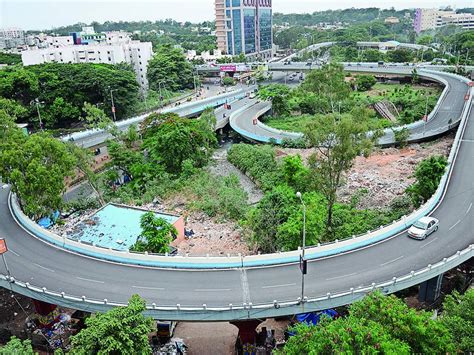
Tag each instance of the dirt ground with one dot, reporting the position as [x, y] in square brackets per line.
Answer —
[386, 173]
[14, 309]
[219, 338]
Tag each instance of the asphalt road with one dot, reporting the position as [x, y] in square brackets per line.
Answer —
[31, 260]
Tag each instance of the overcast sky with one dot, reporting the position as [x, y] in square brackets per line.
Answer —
[41, 14]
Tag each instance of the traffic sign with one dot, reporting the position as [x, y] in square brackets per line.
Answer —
[3, 246]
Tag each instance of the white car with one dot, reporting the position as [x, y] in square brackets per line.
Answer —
[423, 228]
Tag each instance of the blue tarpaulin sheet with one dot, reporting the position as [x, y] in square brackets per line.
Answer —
[315, 317]
[47, 222]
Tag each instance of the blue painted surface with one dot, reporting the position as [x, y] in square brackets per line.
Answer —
[113, 227]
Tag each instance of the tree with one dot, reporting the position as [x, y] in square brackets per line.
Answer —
[228, 81]
[95, 118]
[428, 174]
[365, 82]
[328, 83]
[376, 324]
[458, 317]
[156, 236]
[337, 139]
[36, 167]
[177, 139]
[401, 136]
[169, 67]
[84, 162]
[122, 330]
[278, 94]
[60, 111]
[17, 347]
[400, 55]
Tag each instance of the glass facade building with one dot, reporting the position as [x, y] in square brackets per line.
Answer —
[244, 26]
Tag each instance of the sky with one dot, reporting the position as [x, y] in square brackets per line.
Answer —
[47, 14]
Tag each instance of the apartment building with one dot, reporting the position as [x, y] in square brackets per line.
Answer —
[430, 19]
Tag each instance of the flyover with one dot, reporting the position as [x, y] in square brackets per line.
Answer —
[257, 286]
[451, 101]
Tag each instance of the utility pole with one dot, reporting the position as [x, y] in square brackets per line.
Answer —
[37, 103]
[303, 262]
[113, 104]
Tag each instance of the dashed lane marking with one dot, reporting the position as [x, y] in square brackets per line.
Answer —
[283, 285]
[90, 280]
[43, 267]
[431, 241]
[341, 277]
[212, 289]
[469, 209]
[149, 288]
[14, 253]
[455, 224]
[392, 261]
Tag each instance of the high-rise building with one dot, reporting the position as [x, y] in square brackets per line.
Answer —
[11, 38]
[430, 19]
[244, 26]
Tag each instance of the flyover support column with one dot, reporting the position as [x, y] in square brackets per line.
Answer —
[430, 290]
[247, 337]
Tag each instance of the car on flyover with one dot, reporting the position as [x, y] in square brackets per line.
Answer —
[423, 228]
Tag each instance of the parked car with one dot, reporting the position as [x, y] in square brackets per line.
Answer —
[423, 228]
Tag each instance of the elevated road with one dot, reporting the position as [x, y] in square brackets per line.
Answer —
[243, 292]
[450, 105]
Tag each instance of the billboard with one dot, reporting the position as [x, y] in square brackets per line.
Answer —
[228, 68]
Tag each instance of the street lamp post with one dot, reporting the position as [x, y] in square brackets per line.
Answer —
[303, 261]
[112, 101]
[37, 102]
[161, 93]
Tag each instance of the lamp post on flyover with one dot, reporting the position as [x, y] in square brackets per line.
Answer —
[303, 262]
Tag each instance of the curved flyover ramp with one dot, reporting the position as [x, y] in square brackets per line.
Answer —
[252, 288]
[448, 108]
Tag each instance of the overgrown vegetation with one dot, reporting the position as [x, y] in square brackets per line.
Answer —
[385, 324]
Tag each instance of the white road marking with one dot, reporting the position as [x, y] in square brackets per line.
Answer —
[341, 277]
[431, 241]
[45, 268]
[90, 280]
[212, 289]
[245, 285]
[392, 261]
[455, 224]
[283, 285]
[149, 288]
[469, 209]
[11, 251]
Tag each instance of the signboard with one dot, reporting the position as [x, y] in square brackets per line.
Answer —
[242, 67]
[303, 265]
[425, 118]
[3, 246]
[228, 68]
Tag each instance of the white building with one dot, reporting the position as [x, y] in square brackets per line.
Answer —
[430, 19]
[11, 38]
[136, 53]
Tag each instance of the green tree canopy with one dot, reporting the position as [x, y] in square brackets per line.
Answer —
[170, 68]
[337, 140]
[278, 94]
[458, 317]
[17, 347]
[174, 140]
[122, 330]
[156, 236]
[376, 324]
[35, 166]
[428, 174]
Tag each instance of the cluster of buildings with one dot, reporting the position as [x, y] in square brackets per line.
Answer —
[430, 19]
[86, 46]
[245, 27]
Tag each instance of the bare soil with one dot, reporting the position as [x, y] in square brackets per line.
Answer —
[386, 173]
